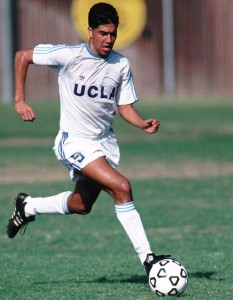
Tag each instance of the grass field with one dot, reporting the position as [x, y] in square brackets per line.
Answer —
[182, 180]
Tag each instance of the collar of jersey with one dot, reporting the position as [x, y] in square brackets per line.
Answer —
[92, 53]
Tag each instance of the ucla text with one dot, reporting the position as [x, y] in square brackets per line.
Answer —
[93, 91]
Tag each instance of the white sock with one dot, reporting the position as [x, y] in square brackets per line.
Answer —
[49, 205]
[131, 221]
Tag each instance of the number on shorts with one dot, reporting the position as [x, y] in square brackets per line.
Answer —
[78, 156]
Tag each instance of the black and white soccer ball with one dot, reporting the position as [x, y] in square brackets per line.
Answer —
[168, 277]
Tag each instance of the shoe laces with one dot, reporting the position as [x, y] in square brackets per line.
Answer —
[23, 228]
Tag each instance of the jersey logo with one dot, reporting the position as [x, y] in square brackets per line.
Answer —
[93, 91]
[81, 77]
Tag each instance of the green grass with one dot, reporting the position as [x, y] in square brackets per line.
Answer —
[182, 182]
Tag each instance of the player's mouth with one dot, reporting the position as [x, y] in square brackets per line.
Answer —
[108, 47]
[106, 50]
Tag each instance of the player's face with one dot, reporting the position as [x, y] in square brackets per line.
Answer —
[102, 39]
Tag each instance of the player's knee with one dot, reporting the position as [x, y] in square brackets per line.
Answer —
[124, 189]
[78, 206]
[84, 210]
[125, 186]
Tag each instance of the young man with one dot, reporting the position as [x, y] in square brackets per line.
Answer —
[94, 82]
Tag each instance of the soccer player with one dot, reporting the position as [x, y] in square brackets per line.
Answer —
[95, 82]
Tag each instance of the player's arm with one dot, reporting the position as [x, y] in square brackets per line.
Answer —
[22, 60]
[128, 113]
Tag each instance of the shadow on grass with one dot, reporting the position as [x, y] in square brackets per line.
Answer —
[134, 280]
[205, 275]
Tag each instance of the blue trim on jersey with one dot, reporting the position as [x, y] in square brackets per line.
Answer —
[45, 48]
[91, 52]
[132, 86]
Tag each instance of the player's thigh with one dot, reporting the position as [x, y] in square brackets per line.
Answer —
[109, 178]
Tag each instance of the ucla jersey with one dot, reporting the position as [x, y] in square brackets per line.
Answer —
[90, 86]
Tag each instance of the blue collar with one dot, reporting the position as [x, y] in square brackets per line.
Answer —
[93, 54]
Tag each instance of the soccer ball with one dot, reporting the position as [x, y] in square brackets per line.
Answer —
[168, 278]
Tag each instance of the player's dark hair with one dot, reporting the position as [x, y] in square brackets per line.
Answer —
[102, 13]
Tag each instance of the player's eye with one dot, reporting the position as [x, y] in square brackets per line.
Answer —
[103, 33]
[112, 35]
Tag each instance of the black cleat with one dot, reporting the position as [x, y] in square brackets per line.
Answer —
[152, 259]
[19, 221]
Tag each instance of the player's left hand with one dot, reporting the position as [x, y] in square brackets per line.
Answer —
[152, 126]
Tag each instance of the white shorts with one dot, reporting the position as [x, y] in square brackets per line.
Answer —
[76, 152]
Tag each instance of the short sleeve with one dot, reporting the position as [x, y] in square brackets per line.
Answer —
[55, 56]
[126, 91]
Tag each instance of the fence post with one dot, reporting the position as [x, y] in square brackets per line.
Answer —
[7, 50]
[169, 79]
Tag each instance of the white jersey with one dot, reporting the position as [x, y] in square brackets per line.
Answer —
[90, 86]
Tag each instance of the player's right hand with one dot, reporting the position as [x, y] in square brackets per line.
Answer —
[25, 111]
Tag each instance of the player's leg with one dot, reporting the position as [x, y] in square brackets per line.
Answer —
[118, 186]
[109, 179]
[26, 207]
[80, 201]
[84, 196]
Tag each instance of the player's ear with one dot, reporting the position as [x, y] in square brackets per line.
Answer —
[90, 32]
